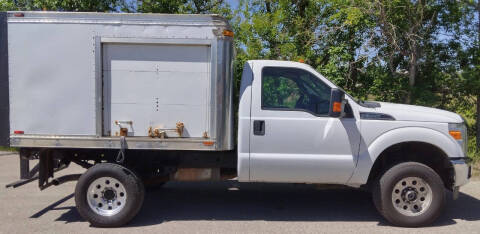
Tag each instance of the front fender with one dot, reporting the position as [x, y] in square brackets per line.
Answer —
[369, 154]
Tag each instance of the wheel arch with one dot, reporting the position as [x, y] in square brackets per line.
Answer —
[418, 144]
[414, 151]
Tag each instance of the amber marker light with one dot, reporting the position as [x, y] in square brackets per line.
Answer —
[228, 33]
[337, 107]
[208, 143]
[457, 135]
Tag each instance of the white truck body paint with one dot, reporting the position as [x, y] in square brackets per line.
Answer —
[297, 146]
[301, 147]
[244, 126]
[413, 113]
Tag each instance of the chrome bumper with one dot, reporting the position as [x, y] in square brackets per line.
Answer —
[463, 172]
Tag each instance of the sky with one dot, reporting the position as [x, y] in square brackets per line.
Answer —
[233, 3]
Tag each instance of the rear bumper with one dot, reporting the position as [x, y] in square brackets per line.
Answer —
[463, 171]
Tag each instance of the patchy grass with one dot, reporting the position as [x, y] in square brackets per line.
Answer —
[473, 152]
[475, 157]
[2, 148]
[476, 170]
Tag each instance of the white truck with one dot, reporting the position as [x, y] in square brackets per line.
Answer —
[142, 99]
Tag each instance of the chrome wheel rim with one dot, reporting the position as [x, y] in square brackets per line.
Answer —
[106, 196]
[412, 196]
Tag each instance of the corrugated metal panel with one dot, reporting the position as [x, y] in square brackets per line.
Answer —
[4, 94]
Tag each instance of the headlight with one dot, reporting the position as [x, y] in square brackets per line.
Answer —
[459, 132]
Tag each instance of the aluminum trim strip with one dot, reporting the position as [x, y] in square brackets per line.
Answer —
[175, 41]
[92, 142]
[118, 18]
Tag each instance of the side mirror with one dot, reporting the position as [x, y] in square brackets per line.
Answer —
[337, 103]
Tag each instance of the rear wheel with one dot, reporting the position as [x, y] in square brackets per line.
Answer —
[409, 194]
[109, 195]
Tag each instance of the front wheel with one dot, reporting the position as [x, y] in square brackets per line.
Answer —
[109, 195]
[409, 194]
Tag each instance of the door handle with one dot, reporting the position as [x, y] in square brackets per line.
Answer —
[259, 127]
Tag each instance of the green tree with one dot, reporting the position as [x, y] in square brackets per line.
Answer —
[160, 6]
[204, 6]
[470, 61]
[6, 5]
[406, 27]
[474, 75]
[345, 33]
[182, 6]
[61, 5]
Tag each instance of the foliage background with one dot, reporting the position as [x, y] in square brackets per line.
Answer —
[423, 52]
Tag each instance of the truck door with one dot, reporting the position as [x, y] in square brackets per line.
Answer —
[292, 138]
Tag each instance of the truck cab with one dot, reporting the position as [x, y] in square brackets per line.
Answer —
[285, 131]
[288, 133]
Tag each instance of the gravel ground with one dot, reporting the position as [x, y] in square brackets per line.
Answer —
[223, 207]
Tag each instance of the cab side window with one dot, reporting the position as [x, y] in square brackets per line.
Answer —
[294, 89]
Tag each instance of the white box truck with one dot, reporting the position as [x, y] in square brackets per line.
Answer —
[142, 99]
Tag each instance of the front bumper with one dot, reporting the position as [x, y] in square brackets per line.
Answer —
[463, 171]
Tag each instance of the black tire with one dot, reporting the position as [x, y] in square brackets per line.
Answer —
[133, 187]
[383, 190]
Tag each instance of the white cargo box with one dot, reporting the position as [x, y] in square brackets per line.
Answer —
[82, 80]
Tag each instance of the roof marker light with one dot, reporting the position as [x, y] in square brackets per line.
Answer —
[228, 33]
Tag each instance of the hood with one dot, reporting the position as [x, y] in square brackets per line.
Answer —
[404, 112]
